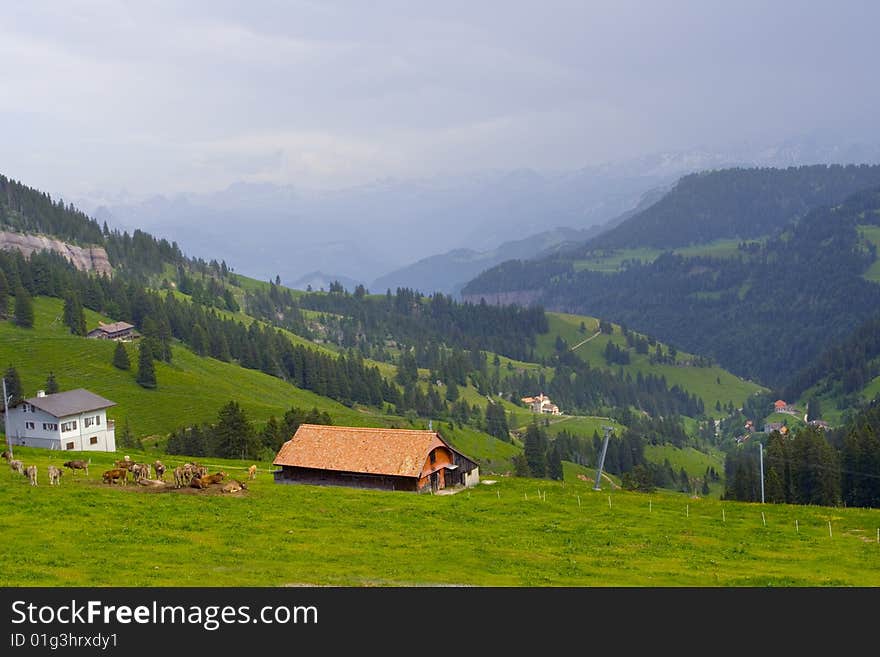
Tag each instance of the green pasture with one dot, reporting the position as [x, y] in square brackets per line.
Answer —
[191, 389]
[510, 533]
[872, 233]
[711, 384]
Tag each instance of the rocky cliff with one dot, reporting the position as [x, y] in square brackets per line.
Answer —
[85, 258]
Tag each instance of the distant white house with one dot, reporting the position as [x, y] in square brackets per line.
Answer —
[541, 404]
[72, 420]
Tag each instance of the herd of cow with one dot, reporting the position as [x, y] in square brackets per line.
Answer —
[190, 475]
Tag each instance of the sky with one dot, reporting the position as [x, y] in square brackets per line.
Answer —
[167, 97]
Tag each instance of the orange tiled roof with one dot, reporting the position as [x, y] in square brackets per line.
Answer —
[369, 450]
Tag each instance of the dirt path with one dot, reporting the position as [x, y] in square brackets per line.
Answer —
[583, 342]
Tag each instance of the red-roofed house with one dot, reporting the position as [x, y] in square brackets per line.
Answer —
[364, 457]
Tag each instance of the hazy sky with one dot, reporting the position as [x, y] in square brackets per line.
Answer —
[175, 96]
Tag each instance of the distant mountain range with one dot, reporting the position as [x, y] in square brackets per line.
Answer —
[370, 232]
[764, 307]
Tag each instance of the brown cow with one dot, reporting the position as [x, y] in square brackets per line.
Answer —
[17, 466]
[233, 486]
[116, 474]
[31, 473]
[252, 472]
[159, 467]
[6, 455]
[77, 465]
[55, 475]
[207, 480]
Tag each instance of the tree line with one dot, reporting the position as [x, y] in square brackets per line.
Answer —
[812, 466]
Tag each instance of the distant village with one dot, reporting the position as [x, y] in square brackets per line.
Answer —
[780, 406]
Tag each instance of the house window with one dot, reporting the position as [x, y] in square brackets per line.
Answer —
[50, 426]
[28, 425]
[69, 446]
[87, 422]
[26, 408]
[68, 426]
[93, 440]
[98, 420]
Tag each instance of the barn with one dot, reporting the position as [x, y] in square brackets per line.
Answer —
[367, 457]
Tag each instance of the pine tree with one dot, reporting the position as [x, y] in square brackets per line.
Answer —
[120, 357]
[146, 375]
[13, 386]
[51, 386]
[685, 481]
[4, 295]
[496, 422]
[74, 316]
[535, 450]
[24, 308]
[233, 434]
[554, 462]
[452, 391]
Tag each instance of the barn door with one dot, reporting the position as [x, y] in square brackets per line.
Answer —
[435, 481]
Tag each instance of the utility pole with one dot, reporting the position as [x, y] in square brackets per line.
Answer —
[6, 419]
[608, 431]
[761, 461]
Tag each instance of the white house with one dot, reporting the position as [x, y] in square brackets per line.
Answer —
[76, 420]
[541, 404]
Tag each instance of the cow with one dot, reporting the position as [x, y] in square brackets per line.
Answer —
[6, 455]
[159, 468]
[207, 480]
[116, 474]
[17, 466]
[252, 472]
[180, 479]
[77, 465]
[139, 471]
[233, 486]
[31, 473]
[55, 475]
[124, 464]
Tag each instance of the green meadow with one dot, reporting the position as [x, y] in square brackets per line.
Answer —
[191, 389]
[872, 233]
[711, 384]
[510, 533]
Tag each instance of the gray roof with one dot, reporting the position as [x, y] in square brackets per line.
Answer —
[71, 402]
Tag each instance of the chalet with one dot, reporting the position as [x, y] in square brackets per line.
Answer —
[782, 406]
[770, 427]
[541, 404]
[119, 331]
[76, 419]
[388, 459]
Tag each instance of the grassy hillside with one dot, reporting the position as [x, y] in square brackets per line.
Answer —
[515, 532]
[692, 460]
[190, 389]
[612, 260]
[711, 384]
[872, 233]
